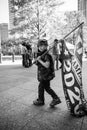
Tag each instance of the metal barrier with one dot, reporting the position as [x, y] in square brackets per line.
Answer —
[10, 58]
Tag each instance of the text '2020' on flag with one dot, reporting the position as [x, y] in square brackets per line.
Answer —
[72, 77]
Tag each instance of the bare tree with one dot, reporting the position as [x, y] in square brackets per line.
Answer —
[33, 17]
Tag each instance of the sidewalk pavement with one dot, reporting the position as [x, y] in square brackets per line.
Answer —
[17, 111]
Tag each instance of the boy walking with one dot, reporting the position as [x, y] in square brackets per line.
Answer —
[45, 75]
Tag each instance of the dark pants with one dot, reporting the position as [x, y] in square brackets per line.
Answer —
[45, 85]
[26, 60]
[23, 60]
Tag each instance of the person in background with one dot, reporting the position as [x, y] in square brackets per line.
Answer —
[56, 53]
[23, 53]
[28, 55]
[45, 74]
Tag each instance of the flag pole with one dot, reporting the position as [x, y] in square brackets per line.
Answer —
[73, 30]
[60, 40]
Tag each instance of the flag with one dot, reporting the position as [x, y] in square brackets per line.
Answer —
[72, 77]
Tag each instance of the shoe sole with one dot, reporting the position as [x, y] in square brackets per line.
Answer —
[55, 104]
[38, 104]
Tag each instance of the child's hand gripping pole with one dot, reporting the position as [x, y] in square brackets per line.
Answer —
[42, 55]
[37, 59]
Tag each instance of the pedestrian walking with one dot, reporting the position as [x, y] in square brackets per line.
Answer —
[45, 75]
[57, 57]
[56, 53]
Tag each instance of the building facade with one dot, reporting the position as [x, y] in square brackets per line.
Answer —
[3, 32]
[11, 15]
[82, 6]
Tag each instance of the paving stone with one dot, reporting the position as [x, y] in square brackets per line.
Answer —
[19, 88]
[84, 125]
[14, 93]
[16, 115]
[50, 121]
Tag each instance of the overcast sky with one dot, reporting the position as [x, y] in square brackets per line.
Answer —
[4, 15]
[69, 5]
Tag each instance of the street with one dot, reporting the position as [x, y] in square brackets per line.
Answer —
[18, 89]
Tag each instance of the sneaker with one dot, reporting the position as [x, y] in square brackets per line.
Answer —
[55, 102]
[38, 102]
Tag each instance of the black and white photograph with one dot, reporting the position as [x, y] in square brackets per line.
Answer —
[43, 59]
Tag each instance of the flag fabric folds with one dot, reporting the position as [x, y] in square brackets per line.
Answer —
[72, 77]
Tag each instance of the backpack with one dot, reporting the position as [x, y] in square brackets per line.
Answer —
[49, 74]
[51, 70]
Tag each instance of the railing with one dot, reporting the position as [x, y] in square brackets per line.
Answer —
[12, 58]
